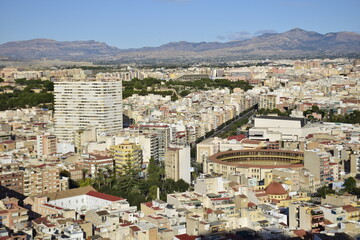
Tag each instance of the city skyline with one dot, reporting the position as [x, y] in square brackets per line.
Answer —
[152, 23]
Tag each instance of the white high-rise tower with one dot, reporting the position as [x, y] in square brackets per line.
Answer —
[95, 102]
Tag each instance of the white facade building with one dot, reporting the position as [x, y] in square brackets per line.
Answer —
[274, 128]
[92, 200]
[82, 103]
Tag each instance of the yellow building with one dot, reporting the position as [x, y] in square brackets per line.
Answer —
[125, 154]
[352, 213]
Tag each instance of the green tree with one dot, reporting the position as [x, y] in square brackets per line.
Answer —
[48, 85]
[350, 184]
[315, 108]
[152, 195]
[181, 186]
[184, 93]
[154, 171]
[20, 81]
[86, 182]
[129, 178]
[84, 173]
[324, 190]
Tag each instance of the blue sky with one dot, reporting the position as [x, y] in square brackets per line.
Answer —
[138, 23]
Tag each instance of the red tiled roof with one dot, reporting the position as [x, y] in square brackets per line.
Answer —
[275, 188]
[104, 196]
[52, 206]
[148, 204]
[301, 233]
[185, 237]
[125, 224]
[44, 221]
[3, 211]
[350, 208]
[135, 228]
[237, 137]
[251, 204]
[327, 222]
[250, 141]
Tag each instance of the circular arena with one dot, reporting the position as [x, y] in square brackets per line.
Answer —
[267, 158]
[254, 161]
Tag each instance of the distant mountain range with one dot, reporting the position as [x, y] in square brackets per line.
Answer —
[296, 43]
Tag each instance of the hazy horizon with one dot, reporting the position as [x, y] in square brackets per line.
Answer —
[148, 23]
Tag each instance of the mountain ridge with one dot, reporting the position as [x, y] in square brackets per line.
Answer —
[293, 43]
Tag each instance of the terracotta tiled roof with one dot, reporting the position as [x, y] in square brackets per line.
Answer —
[237, 137]
[104, 196]
[350, 208]
[327, 222]
[135, 228]
[52, 206]
[275, 188]
[185, 237]
[248, 141]
[301, 233]
[251, 204]
[3, 211]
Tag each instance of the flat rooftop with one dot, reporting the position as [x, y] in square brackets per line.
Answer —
[303, 121]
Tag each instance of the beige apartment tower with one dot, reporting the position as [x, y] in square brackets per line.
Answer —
[95, 102]
[177, 163]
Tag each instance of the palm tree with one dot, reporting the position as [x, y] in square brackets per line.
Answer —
[110, 176]
[84, 172]
[100, 180]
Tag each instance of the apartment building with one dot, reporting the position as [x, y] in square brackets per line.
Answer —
[95, 102]
[268, 101]
[45, 145]
[126, 153]
[12, 214]
[306, 216]
[177, 164]
[93, 163]
[162, 133]
[43, 179]
[318, 163]
[11, 177]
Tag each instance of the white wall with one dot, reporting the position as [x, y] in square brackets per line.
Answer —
[65, 147]
[184, 164]
[77, 202]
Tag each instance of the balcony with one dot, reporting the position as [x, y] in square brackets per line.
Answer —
[317, 228]
[317, 212]
[317, 220]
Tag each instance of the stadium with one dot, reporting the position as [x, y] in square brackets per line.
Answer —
[253, 163]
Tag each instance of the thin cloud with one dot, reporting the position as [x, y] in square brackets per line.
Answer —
[242, 35]
[263, 31]
[221, 37]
